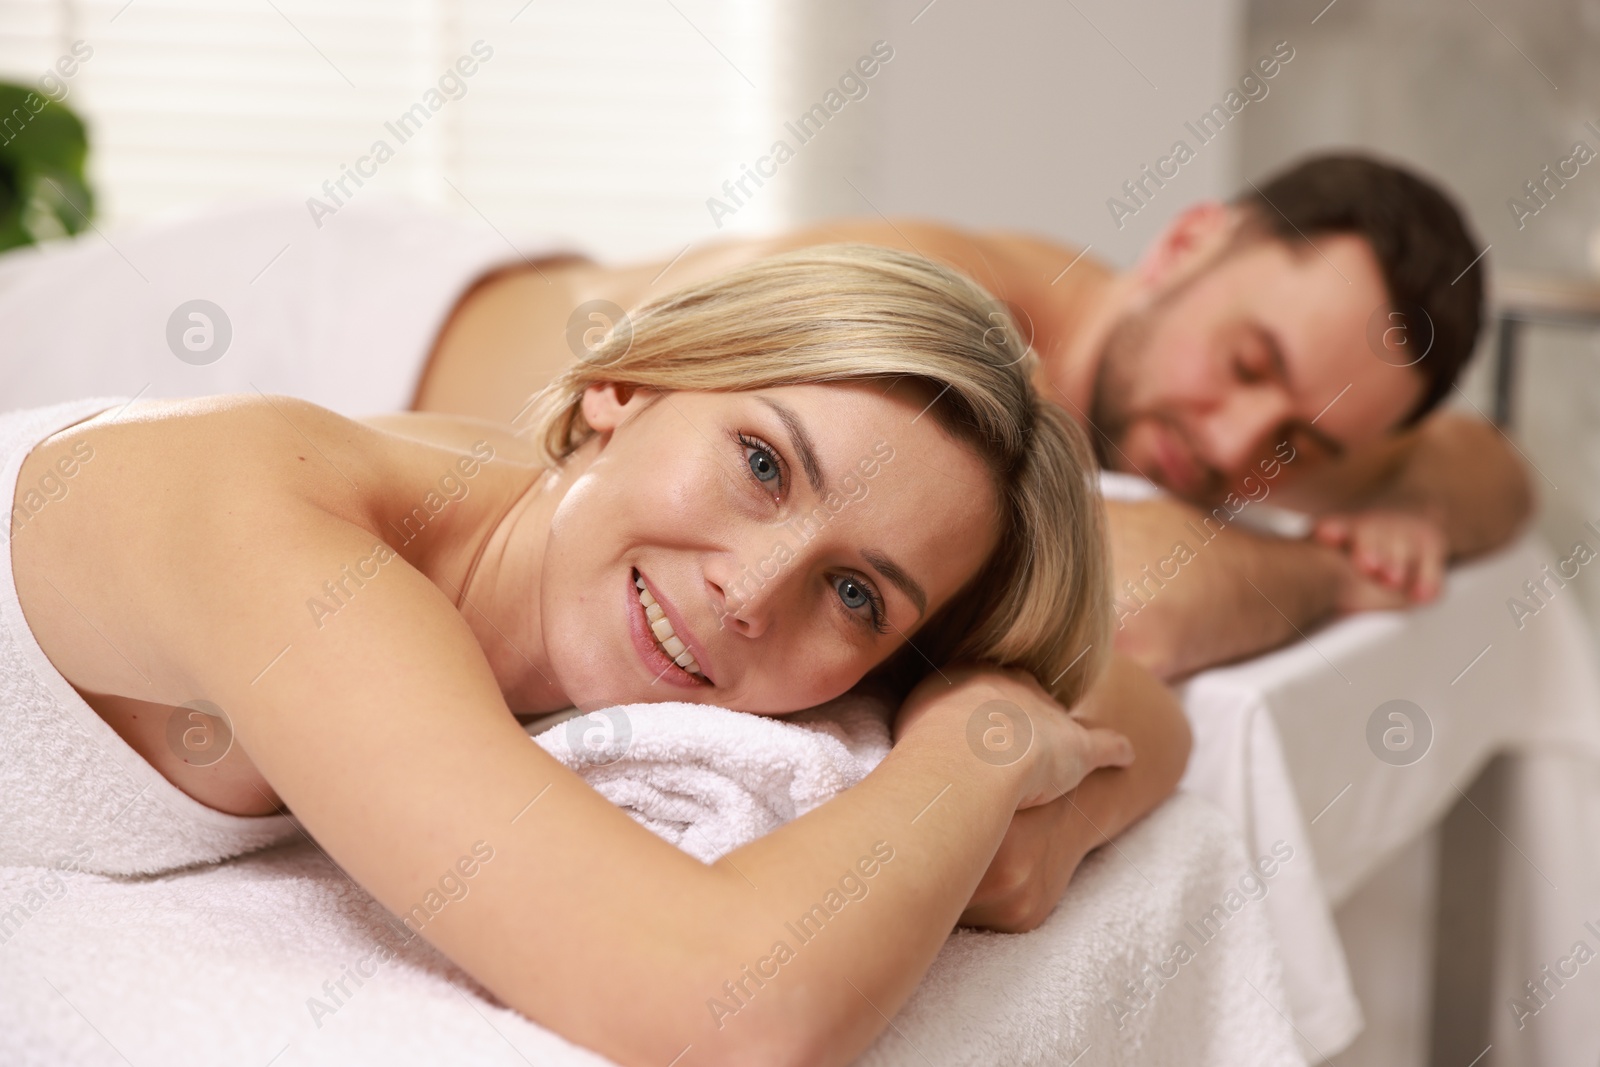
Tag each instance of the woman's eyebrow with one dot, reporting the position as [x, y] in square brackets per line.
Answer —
[800, 441]
[896, 574]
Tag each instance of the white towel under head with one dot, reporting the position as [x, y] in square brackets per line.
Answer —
[709, 779]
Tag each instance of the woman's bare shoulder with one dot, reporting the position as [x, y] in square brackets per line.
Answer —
[162, 498]
[461, 433]
[155, 442]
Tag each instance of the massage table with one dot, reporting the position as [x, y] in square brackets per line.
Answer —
[1161, 952]
[220, 964]
[1300, 745]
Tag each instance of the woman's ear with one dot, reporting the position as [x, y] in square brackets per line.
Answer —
[1190, 240]
[607, 405]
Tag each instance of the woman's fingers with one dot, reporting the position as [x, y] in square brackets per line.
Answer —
[1106, 748]
[1074, 755]
[1012, 721]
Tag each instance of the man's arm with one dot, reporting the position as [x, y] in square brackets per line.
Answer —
[1456, 470]
[1450, 489]
[1463, 473]
[1184, 602]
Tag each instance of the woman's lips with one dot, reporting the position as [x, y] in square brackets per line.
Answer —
[680, 627]
[655, 659]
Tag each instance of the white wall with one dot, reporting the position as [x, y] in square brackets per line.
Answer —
[1029, 114]
[617, 120]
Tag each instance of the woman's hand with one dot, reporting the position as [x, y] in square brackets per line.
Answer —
[1009, 721]
[1030, 872]
[1045, 844]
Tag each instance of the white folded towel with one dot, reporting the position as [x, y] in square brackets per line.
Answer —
[710, 780]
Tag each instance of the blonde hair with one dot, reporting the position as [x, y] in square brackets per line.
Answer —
[842, 313]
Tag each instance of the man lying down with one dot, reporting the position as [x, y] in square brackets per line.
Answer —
[1255, 348]
[1296, 343]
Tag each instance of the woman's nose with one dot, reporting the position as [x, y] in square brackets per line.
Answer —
[744, 618]
[742, 593]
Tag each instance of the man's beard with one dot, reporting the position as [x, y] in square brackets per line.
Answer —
[1123, 359]
[1115, 372]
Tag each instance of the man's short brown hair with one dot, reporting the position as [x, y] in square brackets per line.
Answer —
[1428, 255]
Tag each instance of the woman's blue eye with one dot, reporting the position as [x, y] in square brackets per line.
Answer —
[762, 466]
[852, 593]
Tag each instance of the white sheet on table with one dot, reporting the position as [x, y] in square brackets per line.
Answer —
[217, 965]
[1547, 900]
[1281, 741]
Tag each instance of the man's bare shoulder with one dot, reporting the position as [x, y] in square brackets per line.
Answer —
[1362, 473]
[1005, 261]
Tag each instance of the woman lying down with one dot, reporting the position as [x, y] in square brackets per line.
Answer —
[164, 553]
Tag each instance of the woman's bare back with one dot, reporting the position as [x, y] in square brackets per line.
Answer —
[87, 565]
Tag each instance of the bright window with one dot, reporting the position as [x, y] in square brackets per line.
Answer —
[609, 121]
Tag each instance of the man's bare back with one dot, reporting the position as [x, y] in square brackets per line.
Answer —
[509, 335]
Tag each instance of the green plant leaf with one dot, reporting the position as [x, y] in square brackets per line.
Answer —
[44, 149]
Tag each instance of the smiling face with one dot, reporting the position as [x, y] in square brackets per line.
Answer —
[787, 537]
[1265, 344]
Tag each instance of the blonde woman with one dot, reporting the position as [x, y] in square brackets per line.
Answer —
[372, 605]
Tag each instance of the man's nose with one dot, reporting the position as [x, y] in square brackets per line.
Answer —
[1239, 431]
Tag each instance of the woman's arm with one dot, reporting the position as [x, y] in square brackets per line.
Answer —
[385, 733]
[1044, 845]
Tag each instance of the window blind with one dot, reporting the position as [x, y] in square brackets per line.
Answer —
[608, 122]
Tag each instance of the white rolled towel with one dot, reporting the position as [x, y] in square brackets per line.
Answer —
[710, 780]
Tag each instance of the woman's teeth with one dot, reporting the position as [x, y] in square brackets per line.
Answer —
[661, 626]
